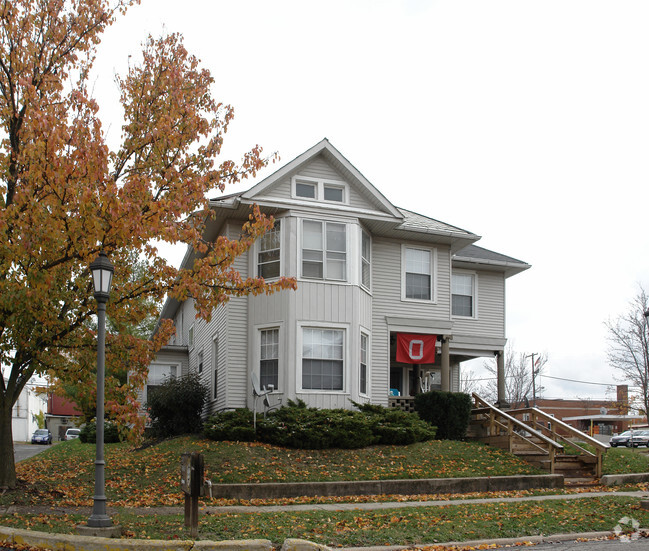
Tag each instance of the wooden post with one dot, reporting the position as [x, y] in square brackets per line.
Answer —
[192, 468]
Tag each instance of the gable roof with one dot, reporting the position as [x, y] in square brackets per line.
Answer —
[338, 161]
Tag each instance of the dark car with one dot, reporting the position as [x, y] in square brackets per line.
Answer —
[42, 436]
[639, 438]
[620, 439]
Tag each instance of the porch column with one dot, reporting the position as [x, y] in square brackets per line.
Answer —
[502, 392]
[446, 364]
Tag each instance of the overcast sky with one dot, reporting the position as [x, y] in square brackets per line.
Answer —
[525, 122]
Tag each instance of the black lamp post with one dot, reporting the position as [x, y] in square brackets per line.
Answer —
[102, 277]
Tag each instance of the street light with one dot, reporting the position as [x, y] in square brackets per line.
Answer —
[102, 277]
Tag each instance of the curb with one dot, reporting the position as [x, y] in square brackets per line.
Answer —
[68, 542]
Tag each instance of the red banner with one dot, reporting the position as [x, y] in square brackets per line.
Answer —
[416, 349]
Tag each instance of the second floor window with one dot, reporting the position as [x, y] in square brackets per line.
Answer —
[324, 250]
[366, 251]
[268, 256]
[418, 274]
[462, 291]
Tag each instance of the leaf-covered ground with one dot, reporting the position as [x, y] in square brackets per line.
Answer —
[64, 474]
[414, 526]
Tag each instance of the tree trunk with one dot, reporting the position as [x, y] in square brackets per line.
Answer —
[7, 464]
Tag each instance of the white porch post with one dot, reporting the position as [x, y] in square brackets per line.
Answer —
[502, 392]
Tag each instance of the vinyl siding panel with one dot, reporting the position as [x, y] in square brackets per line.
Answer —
[236, 373]
[490, 321]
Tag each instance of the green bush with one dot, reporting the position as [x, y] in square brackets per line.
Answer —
[448, 411]
[88, 434]
[236, 426]
[175, 406]
[298, 426]
[396, 427]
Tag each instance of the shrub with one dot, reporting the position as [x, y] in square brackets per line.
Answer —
[236, 426]
[175, 406]
[448, 411]
[297, 426]
[396, 427]
[88, 434]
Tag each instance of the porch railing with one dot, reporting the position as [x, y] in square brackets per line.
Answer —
[405, 403]
[563, 432]
[496, 424]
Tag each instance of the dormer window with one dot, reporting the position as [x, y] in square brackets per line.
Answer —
[319, 190]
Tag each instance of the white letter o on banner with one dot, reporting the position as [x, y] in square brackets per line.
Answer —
[411, 353]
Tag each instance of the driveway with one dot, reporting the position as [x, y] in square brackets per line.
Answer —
[23, 450]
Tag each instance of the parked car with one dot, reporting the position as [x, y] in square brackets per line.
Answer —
[71, 434]
[639, 438]
[42, 436]
[620, 439]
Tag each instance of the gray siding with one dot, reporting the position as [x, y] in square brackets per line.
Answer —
[490, 320]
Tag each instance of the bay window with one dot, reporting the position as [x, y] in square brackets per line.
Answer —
[322, 359]
[269, 358]
[268, 255]
[324, 250]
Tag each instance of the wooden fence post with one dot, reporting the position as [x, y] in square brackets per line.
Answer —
[192, 469]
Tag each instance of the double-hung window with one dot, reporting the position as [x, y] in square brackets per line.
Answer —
[418, 272]
[268, 255]
[158, 374]
[269, 358]
[366, 252]
[324, 250]
[322, 359]
[463, 295]
[363, 364]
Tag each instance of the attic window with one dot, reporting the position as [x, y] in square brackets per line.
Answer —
[305, 189]
[327, 191]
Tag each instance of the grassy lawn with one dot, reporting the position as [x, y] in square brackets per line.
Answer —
[64, 474]
[361, 528]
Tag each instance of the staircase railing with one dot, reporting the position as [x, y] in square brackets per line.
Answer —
[543, 422]
[499, 423]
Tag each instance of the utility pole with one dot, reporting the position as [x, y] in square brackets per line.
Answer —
[533, 377]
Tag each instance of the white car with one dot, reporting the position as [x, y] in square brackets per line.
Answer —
[71, 434]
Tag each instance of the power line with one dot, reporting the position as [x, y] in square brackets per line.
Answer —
[576, 381]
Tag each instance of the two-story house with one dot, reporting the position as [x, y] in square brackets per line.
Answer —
[370, 276]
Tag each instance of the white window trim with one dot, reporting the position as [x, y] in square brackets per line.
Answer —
[474, 296]
[199, 368]
[346, 356]
[365, 333]
[214, 368]
[348, 253]
[178, 367]
[433, 258]
[257, 250]
[191, 337]
[319, 191]
[256, 353]
[360, 260]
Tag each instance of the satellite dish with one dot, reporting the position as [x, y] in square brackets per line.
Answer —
[603, 410]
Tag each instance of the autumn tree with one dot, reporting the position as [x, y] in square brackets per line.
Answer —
[519, 382]
[628, 346]
[65, 194]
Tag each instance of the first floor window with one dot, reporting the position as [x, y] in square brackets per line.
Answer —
[215, 368]
[269, 359]
[322, 359]
[363, 366]
[418, 274]
[200, 362]
[158, 374]
[462, 295]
